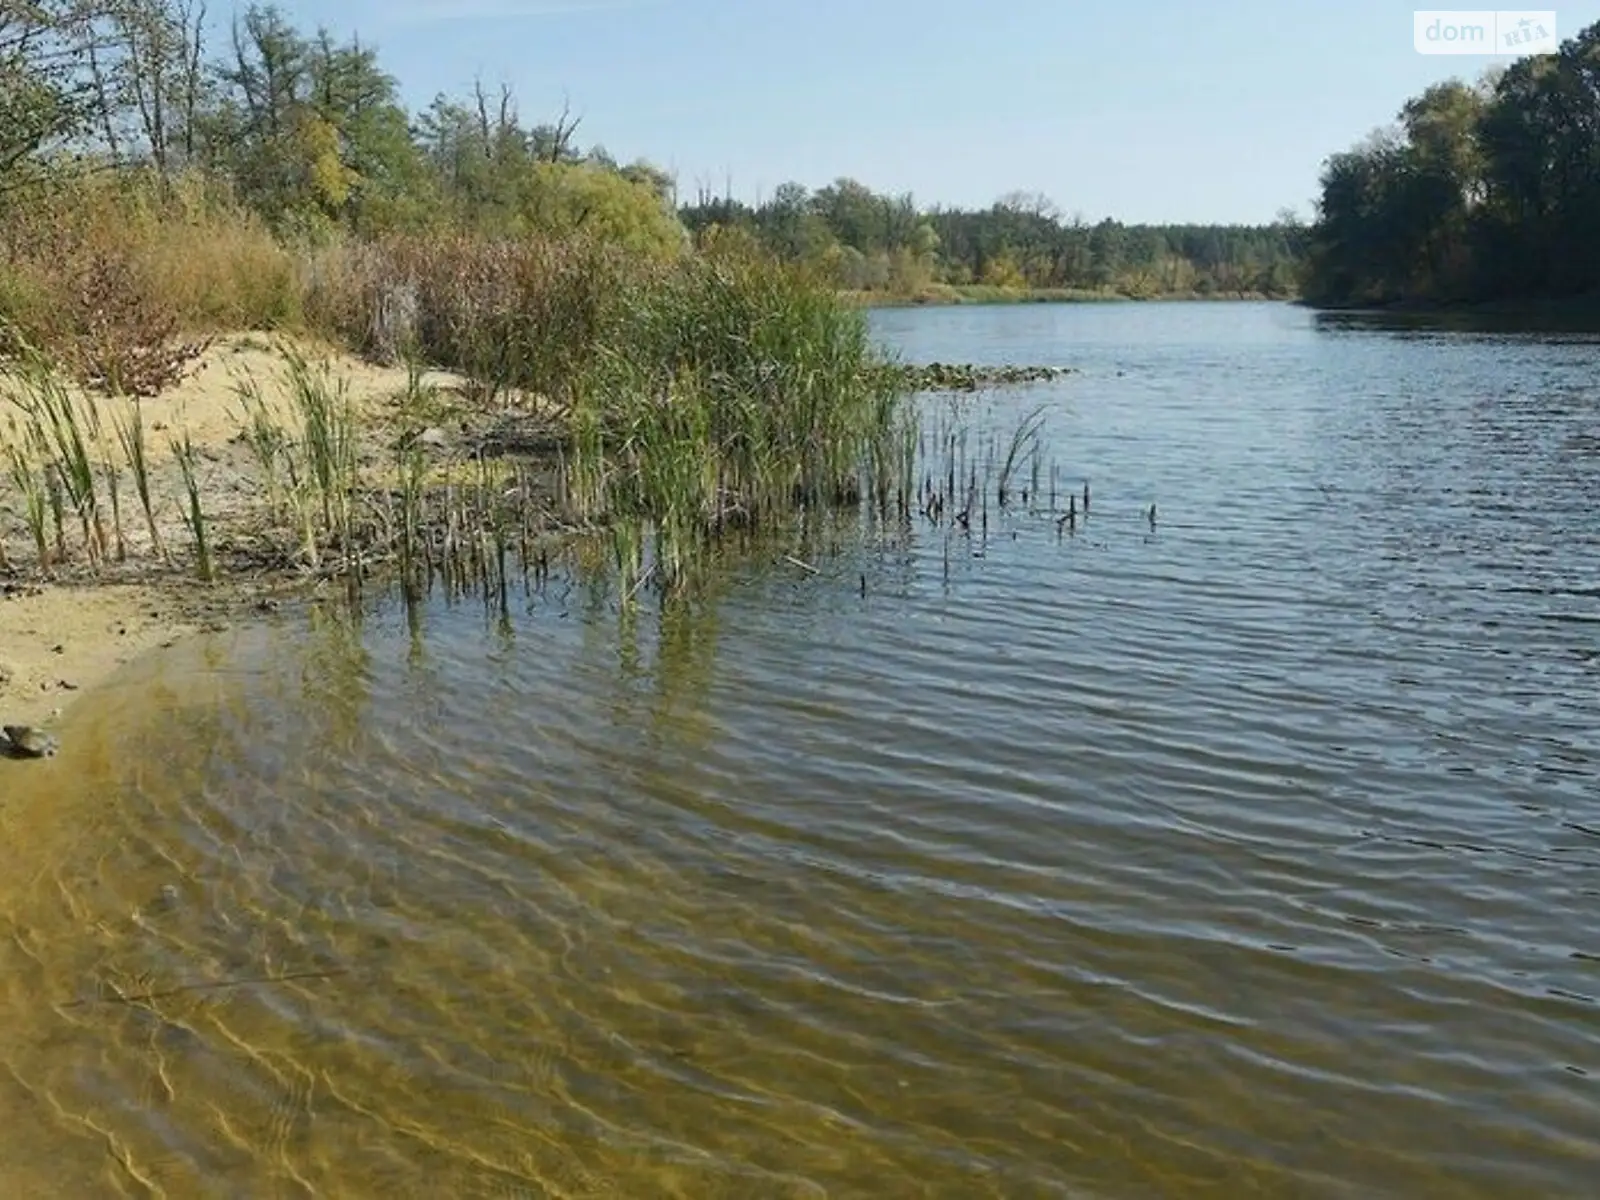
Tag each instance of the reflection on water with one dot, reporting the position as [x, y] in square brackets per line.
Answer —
[1554, 322]
[1253, 855]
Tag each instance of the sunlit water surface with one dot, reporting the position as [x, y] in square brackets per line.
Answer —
[1257, 853]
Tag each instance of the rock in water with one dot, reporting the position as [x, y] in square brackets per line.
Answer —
[24, 741]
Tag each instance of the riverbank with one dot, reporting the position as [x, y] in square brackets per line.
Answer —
[57, 642]
[980, 294]
[278, 466]
[67, 625]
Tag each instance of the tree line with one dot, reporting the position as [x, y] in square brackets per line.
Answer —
[877, 242]
[1480, 192]
[309, 131]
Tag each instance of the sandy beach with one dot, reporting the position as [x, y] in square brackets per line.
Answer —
[65, 631]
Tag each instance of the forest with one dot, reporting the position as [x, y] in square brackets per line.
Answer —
[1483, 191]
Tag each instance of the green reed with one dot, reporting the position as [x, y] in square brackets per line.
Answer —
[729, 390]
[194, 516]
[30, 484]
[130, 433]
[1024, 443]
[58, 508]
[328, 440]
[56, 428]
[266, 438]
[302, 494]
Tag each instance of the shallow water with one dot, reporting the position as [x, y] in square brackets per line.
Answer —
[1257, 853]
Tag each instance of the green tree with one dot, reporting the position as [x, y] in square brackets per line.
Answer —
[1480, 191]
[564, 198]
[44, 94]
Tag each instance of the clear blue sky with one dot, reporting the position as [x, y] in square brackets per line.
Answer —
[1158, 110]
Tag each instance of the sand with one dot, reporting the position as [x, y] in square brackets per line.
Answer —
[56, 642]
[63, 636]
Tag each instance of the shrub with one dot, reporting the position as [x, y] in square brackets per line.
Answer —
[117, 277]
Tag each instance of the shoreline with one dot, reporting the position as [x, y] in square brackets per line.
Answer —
[1578, 308]
[69, 621]
[976, 295]
[68, 627]
[64, 641]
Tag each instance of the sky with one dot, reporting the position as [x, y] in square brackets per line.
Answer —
[1155, 111]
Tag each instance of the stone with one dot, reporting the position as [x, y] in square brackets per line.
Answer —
[24, 741]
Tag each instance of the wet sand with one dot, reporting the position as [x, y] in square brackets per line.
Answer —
[57, 642]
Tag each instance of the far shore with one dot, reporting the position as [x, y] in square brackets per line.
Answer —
[950, 295]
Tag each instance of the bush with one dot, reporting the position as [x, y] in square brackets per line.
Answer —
[117, 277]
[510, 314]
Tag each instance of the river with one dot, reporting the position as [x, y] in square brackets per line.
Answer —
[1250, 850]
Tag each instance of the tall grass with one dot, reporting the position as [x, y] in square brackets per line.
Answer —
[328, 440]
[31, 486]
[693, 394]
[130, 433]
[266, 438]
[49, 452]
[520, 315]
[727, 389]
[687, 394]
[117, 277]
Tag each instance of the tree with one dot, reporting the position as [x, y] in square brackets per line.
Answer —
[1541, 143]
[45, 94]
[562, 199]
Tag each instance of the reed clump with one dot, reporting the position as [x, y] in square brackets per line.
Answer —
[728, 389]
[53, 437]
[307, 458]
[512, 315]
[687, 394]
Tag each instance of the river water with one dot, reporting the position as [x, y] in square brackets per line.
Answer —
[1254, 852]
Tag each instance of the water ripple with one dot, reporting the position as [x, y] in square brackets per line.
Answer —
[1252, 853]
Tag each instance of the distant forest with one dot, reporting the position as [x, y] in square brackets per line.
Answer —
[1482, 192]
[873, 242]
